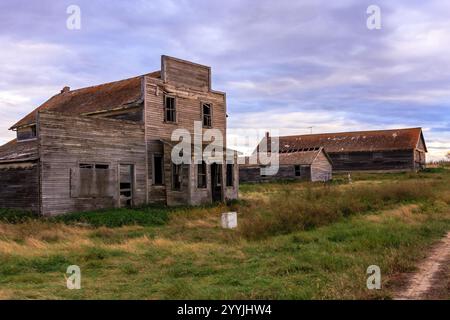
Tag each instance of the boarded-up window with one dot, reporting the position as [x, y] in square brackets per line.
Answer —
[201, 175]
[206, 111]
[170, 112]
[176, 176]
[92, 181]
[230, 174]
[26, 133]
[158, 169]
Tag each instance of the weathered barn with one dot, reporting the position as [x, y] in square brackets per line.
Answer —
[110, 145]
[379, 150]
[312, 164]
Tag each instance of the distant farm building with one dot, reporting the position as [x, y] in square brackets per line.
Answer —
[379, 150]
[110, 145]
[311, 164]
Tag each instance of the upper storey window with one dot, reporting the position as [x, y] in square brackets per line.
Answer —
[170, 110]
[26, 133]
[206, 111]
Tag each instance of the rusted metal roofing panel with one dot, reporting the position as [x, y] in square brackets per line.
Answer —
[359, 141]
[299, 157]
[103, 97]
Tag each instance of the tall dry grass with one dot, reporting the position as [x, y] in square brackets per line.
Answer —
[291, 210]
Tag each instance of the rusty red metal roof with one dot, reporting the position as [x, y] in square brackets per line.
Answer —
[15, 151]
[358, 141]
[299, 157]
[103, 97]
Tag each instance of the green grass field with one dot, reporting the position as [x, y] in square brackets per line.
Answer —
[294, 241]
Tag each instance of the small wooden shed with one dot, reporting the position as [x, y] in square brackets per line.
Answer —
[311, 164]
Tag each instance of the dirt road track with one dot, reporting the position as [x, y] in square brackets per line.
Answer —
[432, 280]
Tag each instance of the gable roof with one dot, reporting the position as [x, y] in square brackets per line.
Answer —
[358, 141]
[103, 97]
[15, 151]
[301, 157]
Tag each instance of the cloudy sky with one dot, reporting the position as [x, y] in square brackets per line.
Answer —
[289, 65]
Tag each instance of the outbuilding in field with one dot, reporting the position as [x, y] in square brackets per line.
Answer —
[312, 164]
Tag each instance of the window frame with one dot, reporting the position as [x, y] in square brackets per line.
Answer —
[202, 104]
[174, 109]
[203, 174]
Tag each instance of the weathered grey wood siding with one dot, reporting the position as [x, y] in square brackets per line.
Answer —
[67, 141]
[321, 169]
[285, 172]
[189, 84]
[385, 161]
[19, 187]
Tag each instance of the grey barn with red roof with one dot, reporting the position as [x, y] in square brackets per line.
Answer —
[376, 150]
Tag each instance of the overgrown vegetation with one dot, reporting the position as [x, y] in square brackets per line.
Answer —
[294, 241]
[291, 210]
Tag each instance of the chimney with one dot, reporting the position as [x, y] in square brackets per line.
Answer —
[65, 89]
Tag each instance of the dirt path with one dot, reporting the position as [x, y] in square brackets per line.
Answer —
[432, 280]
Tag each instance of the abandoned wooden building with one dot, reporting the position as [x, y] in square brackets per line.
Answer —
[378, 150]
[311, 164]
[110, 145]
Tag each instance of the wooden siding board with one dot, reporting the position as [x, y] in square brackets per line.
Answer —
[19, 188]
[65, 141]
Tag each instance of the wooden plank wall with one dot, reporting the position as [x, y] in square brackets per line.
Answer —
[358, 161]
[285, 172]
[321, 169]
[19, 187]
[65, 141]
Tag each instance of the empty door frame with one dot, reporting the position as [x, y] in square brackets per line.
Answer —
[126, 184]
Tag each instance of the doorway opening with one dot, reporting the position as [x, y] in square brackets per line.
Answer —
[216, 181]
[126, 182]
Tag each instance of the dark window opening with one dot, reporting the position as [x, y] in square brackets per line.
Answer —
[206, 110]
[297, 171]
[230, 175]
[158, 170]
[170, 113]
[33, 131]
[201, 175]
[176, 176]
[102, 166]
[86, 165]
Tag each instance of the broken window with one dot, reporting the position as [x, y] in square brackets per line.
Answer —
[201, 175]
[230, 175]
[170, 112]
[158, 169]
[206, 111]
[297, 170]
[176, 176]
